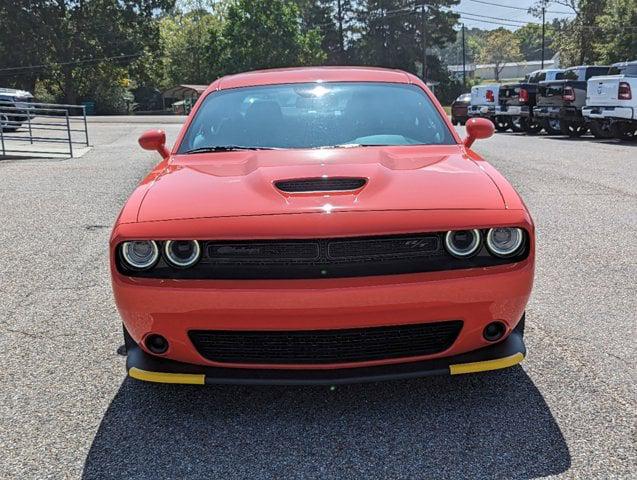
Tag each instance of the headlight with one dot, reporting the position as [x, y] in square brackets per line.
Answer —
[182, 253]
[462, 243]
[505, 242]
[141, 254]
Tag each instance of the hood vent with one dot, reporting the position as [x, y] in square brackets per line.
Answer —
[320, 184]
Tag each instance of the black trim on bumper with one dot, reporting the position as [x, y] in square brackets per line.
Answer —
[143, 366]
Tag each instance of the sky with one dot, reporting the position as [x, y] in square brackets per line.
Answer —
[501, 11]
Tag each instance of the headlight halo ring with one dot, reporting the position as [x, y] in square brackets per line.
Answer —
[509, 252]
[175, 262]
[475, 244]
[135, 265]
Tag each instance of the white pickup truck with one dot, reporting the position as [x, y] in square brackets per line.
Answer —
[611, 101]
[484, 99]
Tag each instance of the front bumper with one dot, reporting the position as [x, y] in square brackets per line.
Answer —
[507, 353]
[618, 113]
[513, 111]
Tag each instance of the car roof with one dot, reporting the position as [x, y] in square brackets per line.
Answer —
[621, 64]
[312, 74]
[546, 70]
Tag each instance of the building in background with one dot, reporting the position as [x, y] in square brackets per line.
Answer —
[181, 98]
[511, 70]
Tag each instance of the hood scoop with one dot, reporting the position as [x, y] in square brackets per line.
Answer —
[320, 184]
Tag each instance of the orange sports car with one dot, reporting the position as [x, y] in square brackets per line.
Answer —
[323, 226]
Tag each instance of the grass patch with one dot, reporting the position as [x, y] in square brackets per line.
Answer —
[447, 109]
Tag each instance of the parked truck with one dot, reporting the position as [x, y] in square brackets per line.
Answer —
[516, 101]
[611, 101]
[14, 106]
[484, 99]
[559, 102]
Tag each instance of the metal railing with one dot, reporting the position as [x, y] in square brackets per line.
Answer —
[40, 128]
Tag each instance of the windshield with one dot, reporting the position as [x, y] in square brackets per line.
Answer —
[627, 70]
[314, 115]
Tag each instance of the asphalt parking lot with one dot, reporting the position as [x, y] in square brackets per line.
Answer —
[68, 411]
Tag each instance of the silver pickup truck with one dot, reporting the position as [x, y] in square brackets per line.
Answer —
[611, 101]
[14, 105]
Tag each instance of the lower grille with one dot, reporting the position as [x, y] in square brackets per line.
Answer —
[325, 346]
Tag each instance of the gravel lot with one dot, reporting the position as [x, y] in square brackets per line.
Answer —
[67, 410]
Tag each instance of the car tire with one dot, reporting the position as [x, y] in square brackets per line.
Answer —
[601, 130]
[552, 126]
[454, 121]
[573, 129]
[624, 131]
[530, 125]
[502, 124]
[517, 124]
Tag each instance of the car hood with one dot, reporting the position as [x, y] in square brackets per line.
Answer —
[225, 184]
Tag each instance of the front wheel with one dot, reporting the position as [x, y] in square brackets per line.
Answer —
[552, 126]
[625, 131]
[502, 124]
[573, 129]
[454, 121]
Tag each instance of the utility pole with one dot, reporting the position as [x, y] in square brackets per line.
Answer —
[341, 39]
[543, 29]
[424, 42]
[464, 62]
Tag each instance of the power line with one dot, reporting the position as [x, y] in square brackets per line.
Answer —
[490, 22]
[523, 22]
[519, 8]
[75, 62]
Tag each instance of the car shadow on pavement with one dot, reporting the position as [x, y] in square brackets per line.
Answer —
[488, 425]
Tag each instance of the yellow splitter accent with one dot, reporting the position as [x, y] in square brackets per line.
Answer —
[160, 377]
[486, 365]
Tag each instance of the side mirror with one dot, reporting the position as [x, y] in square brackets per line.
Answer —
[154, 140]
[477, 128]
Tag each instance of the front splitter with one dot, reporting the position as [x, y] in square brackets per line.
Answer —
[507, 353]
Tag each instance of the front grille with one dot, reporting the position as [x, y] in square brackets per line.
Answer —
[323, 258]
[325, 346]
[320, 184]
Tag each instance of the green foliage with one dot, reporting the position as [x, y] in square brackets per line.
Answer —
[602, 32]
[190, 49]
[615, 41]
[259, 35]
[100, 49]
[71, 42]
[334, 21]
[500, 46]
[530, 39]
[393, 34]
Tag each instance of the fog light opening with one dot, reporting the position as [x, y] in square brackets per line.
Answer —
[156, 344]
[494, 331]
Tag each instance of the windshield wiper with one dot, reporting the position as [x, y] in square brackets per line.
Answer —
[225, 148]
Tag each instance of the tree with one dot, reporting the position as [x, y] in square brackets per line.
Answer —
[190, 48]
[394, 33]
[334, 20]
[500, 46]
[575, 38]
[73, 44]
[267, 34]
[530, 39]
[616, 38]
